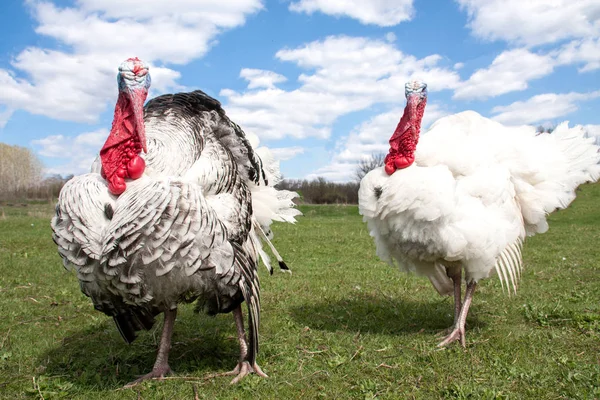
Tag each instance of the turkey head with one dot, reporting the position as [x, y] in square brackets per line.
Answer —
[120, 153]
[403, 142]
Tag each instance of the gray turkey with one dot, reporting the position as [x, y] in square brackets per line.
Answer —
[183, 222]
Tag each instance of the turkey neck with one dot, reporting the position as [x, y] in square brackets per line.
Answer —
[120, 153]
[403, 142]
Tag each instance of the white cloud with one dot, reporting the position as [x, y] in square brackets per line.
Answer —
[60, 86]
[348, 74]
[286, 153]
[219, 13]
[68, 87]
[368, 138]
[376, 12]
[258, 78]
[548, 106]
[5, 116]
[586, 51]
[75, 84]
[76, 154]
[533, 22]
[510, 71]
[275, 113]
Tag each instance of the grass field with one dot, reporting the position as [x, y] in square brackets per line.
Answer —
[344, 325]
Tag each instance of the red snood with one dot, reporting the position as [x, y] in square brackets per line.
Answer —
[403, 142]
[120, 154]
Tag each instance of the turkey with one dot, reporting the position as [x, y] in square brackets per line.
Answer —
[468, 195]
[183, 222]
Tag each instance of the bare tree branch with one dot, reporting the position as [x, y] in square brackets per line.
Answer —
[21, 176]
[366, 165]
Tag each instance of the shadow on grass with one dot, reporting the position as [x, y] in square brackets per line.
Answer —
[372, 314]
[98, 358]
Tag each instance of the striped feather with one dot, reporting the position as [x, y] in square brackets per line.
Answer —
[250, 287]
[186, 230]
[509, 266]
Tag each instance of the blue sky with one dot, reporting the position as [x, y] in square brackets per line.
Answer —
[318, 81]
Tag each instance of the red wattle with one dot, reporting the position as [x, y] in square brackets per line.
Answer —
[119, 155]
[136, 167]
[404, 141]
[116, 185]
[404, 161]
[390, 165]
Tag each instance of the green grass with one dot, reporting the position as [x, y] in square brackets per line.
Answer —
[344, 325]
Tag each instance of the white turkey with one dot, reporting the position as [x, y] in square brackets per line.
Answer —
[466, 197]
[183, 222]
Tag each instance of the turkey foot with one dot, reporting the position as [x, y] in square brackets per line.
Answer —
[156, 373]
[458, 331]
[240, 371]
[456, 334]
[161, 365]
[244, 368]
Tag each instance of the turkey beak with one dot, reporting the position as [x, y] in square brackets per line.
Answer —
[138, 97]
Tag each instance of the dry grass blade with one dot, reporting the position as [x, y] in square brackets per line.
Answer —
[195, 389]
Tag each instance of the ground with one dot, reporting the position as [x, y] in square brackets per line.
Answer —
[343, 325]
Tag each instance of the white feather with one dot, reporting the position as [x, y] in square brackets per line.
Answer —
[477, 188]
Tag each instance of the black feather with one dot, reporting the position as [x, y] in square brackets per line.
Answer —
[189, 106]
[378, 191]
[108, 211]
[283, 266]
[130, 320]
[125, 328]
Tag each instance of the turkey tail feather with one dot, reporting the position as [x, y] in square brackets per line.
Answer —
[509, 266]
[130, 321]
[570, 159]
[250, 287]
[125, 328]
[282, 265]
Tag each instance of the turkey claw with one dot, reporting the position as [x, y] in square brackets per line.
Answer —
[445, 332]
[244, 368]
[456, 334]
[158, 373]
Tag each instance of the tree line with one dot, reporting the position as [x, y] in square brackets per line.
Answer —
[21, 177]
[22, 180]
[322, 191]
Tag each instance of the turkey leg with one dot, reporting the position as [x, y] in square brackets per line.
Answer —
[458, 332]
[161, 365]
[243, 368]
[455, 274]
